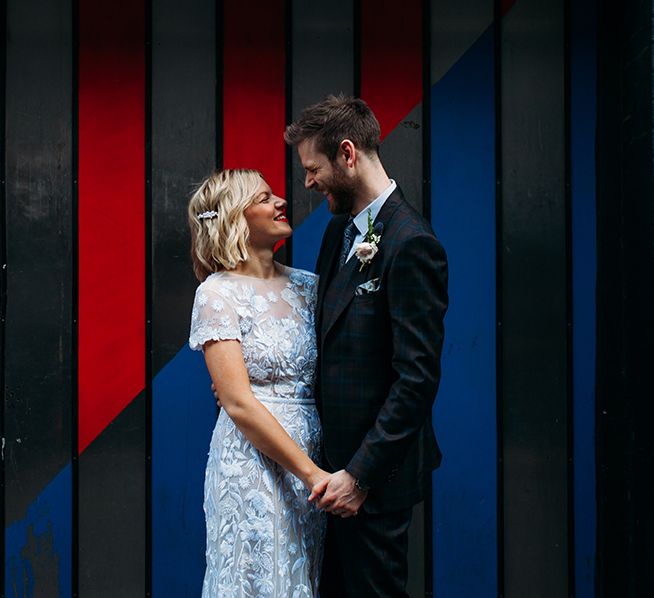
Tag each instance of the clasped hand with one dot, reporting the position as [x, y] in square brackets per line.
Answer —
[336, 493]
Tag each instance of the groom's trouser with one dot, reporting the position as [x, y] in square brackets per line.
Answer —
[366, 555]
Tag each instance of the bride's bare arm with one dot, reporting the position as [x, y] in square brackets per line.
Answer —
[229, 375]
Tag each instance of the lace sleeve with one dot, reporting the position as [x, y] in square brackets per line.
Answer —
[213, 319]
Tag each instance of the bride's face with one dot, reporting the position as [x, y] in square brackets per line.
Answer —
[266, 218]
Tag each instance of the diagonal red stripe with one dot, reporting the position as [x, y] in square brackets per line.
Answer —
[254, 88]
[391, 59]
[111, 210]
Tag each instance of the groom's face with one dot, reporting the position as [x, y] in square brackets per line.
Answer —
[326, 177]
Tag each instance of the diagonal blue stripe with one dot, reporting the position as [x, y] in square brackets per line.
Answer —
[38, 548]
[463, 216]
[307, 238]
[183, 417]
[584, 250]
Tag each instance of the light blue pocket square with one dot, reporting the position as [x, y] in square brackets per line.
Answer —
[370, 286]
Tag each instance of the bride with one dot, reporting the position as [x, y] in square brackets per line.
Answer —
[254, 320]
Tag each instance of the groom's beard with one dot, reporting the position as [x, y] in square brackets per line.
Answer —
[341, 190]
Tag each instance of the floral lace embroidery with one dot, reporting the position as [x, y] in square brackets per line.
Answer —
[263, 537]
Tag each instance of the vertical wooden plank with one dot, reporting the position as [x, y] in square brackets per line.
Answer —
[111, 298]
[322, 64]
[455, 27]
[391, 69]
[111, 511]
[391, 83]
[254, 89]
[3, 279]
[637, 171]
[323, 35]
[184, 78]
[534, 302]
[463, 215]
[615, 572]
[37, 350]
[625, 294]
[111, 210]
[583, 114]
[184, 84]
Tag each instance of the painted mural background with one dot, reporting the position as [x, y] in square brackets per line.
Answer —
[114, 110]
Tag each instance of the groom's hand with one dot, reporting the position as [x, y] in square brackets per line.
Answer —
[215, 394]
[340, 496]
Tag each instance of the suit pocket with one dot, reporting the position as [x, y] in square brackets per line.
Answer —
[369, 287]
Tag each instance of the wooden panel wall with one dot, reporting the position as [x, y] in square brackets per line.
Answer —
[113, 111]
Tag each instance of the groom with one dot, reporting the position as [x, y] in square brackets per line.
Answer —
[382, 297]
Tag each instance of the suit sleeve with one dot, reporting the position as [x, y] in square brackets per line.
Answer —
[417, 302]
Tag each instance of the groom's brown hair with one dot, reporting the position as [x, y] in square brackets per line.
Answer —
[334, 119]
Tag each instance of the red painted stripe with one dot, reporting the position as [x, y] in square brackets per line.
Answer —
[391, 59]
[254, 88]
[111, 210]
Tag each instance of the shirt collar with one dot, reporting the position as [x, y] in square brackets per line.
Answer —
[361, 219]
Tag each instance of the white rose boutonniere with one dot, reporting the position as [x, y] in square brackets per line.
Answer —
[368, 249]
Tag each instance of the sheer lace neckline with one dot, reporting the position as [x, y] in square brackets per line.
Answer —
[282, 273]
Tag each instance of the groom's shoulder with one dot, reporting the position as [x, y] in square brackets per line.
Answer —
[406, 222]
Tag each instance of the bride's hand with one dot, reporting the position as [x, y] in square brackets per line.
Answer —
[318, 479]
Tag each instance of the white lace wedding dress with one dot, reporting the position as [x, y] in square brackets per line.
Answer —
[263, 537]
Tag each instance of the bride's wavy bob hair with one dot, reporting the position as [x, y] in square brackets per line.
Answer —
[219, 231]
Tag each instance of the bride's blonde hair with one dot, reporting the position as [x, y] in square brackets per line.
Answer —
[219, 231]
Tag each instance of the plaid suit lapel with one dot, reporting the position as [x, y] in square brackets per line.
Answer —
[338, 291]
[327, 267]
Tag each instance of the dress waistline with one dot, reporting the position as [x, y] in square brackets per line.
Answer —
[269, 398]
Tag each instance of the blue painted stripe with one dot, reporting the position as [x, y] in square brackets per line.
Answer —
[183, 417]
[463, 216]
[308, 236]
[38, 548]
[584, 264]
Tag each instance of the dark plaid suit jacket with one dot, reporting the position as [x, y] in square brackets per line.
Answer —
[379, 356]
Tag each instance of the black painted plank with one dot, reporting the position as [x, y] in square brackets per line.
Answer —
[638, 291]
[38, 154]
[401, 153]
[37, 351]
[534, 302]
[3, 278]
[625, 322]
[112, 508]
[186, 137]
[183, 153]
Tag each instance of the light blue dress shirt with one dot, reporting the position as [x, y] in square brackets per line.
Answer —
[361, 219]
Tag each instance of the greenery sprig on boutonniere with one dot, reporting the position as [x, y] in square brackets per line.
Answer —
[368, 249]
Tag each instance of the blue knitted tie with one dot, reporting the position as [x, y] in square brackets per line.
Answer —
[348, 236]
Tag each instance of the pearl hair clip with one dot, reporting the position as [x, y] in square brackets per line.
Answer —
[209, 214]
